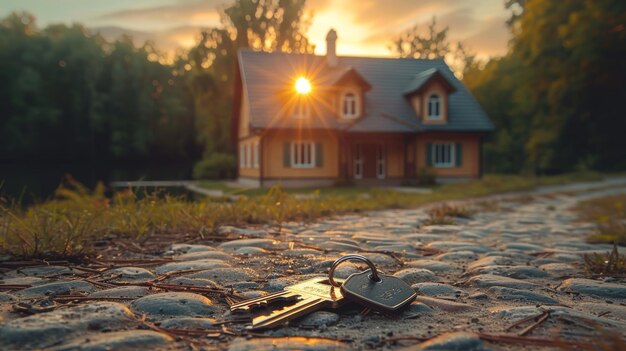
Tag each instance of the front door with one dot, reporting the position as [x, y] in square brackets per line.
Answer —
[368, 157]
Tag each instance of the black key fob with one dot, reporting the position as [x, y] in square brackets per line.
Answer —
[388, 294]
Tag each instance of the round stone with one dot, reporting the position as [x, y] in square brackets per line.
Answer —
[188, 323]
[251, 250]
[505, 293]
[129, 275]
[187, 248]
[490, 261]
[131, 292]
[205, 283]
[595, 288]
[235, 244]
[203, 255]
[190, 265]
[56, 288]
[451, 341]
[287, 344]
[225, 275]
[436, 289]
[122, 340]
[320, 318]
[416, 275]
[416, 309]
[173, 304]
[444, 305]
[46, 271]
[431, 265]
[47, 329]
[488, 280]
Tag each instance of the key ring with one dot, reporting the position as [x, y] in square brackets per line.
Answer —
[352, 257]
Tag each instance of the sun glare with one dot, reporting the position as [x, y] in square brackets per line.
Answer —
[303, 86]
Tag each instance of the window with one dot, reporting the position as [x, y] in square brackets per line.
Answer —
[303, 155]
[380, 162]
[242, 156]
[358, 162]
[434, 107]
[255, 154]
[349, 106]
[248, 156]
[443, 155]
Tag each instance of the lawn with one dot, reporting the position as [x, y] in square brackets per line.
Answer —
[609, 215]
[77, 217]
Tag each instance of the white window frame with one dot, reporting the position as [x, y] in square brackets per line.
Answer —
[440, 147]
[248, 156]
[351, 98]
[242, 156]
[358, 162]
[380, 161]
[434, 104]
[255, 155]
[299, 156]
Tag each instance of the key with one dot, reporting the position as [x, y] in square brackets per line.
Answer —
[313, 294]
[387, 295]
[265, 301]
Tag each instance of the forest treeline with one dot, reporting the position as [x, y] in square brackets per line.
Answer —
[557, 97]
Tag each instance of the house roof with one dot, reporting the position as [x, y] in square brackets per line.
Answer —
[424, 77]
[268, 80]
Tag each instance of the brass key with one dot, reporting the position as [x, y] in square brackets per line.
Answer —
[310, 295]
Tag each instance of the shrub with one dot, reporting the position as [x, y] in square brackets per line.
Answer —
[426, 176]
[217, 166]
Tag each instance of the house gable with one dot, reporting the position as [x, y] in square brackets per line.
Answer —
[269, 78]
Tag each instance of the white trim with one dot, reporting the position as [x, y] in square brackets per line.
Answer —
[248, 156]
[242, 156]
[380, 161]
[451, 157]
[436, 101]
[358, 162]
[353, 110]
[255, 154]
[302, 154]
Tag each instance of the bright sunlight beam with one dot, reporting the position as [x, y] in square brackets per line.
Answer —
[303, 86]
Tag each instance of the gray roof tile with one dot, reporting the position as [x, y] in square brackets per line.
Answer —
[269, 79]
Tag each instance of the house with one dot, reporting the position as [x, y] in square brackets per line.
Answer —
[307, 120]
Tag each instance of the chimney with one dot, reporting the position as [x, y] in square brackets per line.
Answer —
[331, 48]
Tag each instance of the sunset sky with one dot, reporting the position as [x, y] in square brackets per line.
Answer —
[365, 27]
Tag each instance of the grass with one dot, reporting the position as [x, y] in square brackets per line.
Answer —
[66, 225]
[610, 263]
[609, 215]
[446, 213]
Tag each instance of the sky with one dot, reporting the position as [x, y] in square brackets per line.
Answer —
[364, 27]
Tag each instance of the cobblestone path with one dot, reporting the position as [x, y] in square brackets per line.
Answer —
[518, 257]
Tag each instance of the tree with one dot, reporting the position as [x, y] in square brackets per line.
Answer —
[574, 70]
[264, 25]
[433, 45]
[557, 96]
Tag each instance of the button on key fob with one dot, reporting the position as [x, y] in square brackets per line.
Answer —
[387, 295]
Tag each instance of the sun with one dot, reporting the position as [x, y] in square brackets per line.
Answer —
[303, 86]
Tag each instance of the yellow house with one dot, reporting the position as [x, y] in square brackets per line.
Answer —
[307, 120]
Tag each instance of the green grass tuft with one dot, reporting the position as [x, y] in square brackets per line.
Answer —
[609, 215]
[75, 217]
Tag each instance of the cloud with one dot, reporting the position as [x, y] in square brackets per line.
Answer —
[491, 38]
[179, 12]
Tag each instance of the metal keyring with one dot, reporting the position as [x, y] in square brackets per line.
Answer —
[374, 276]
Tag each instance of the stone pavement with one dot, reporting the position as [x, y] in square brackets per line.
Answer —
[518, 257]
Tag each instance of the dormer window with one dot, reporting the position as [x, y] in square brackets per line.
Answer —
[434, 107]
[349, 105]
